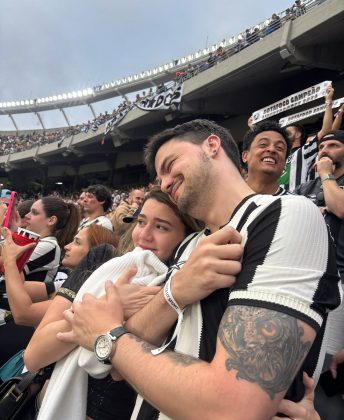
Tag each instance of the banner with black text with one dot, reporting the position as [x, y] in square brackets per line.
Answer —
[163, 100]
[308, 113]
[296, 99]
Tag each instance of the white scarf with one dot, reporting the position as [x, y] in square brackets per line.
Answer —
[66, 395]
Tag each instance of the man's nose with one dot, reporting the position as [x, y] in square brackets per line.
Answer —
[166, 184]
[271, 148]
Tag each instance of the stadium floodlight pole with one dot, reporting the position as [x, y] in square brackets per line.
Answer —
[13, 121]
[92, 110]
[65, 116]
[40, 119]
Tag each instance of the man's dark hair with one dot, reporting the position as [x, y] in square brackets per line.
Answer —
[260, 128]
[301, 129]
[195, 132]
[101, 193]
[24, 207]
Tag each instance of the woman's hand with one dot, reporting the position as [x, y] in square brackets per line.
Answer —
[10, 250]
[337, 359]
[133, 296]
[303, 410]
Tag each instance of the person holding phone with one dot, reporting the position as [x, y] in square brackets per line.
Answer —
[56, 222]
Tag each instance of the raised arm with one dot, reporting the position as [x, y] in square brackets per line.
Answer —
[333, 194]
[338, 118]
[328, 115]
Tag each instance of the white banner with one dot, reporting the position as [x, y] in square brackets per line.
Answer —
[116, 119]
[304, 96]
[162, 100]
[308, 113]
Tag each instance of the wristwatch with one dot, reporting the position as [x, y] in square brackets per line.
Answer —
[104, 344]
[329, 177]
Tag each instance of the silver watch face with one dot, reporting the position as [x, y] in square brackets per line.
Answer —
[103, 347]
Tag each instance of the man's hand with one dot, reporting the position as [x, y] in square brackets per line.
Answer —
[92, 317]
[324, 166]
[329, 93]
[212, 265]
[133, 296]
[303, 410]
[250, 123]
[337, 359]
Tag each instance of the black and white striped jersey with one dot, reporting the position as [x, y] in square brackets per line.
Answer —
[298, 168]
[288, 266]
[44, 261]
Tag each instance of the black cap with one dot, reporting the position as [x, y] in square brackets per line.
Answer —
[132, 217]
[333, 135]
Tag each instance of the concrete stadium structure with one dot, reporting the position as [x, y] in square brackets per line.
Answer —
[301, 53]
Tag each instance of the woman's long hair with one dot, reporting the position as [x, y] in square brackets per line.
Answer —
[67, 215]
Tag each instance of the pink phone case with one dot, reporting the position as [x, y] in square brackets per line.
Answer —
[10, 208]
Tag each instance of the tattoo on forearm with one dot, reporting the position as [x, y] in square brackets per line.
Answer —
[264, 346]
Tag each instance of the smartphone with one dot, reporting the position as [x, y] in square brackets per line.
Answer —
[12, 205]
[330, 385]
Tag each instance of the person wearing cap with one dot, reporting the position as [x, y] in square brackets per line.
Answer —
[327, 193]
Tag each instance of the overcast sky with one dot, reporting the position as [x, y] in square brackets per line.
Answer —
[49, 47]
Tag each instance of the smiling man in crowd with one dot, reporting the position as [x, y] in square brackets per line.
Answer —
[265, 150]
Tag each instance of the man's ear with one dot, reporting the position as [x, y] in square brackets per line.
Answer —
[213, 144]
[244, 154]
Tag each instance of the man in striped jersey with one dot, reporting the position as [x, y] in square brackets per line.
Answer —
[298, 168]
[237, 351]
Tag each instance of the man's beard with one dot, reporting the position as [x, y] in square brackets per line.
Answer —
[338, 165]
[197, 187]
